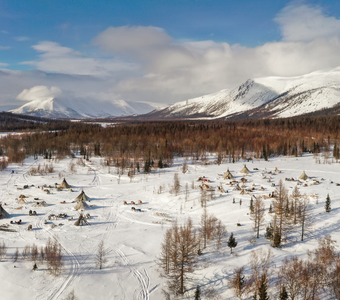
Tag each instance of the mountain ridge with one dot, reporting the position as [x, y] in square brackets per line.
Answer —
[266, 97]
[63, 108]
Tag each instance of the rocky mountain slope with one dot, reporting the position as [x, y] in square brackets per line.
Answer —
[269, 97]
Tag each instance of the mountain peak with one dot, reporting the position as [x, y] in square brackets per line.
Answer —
[268, 97]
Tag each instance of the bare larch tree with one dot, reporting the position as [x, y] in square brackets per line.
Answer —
[257, 215]
[179, 255]
[101, 255]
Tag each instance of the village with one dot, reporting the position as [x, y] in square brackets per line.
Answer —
[84, 205]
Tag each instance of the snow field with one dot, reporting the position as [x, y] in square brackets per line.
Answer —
[133, 239]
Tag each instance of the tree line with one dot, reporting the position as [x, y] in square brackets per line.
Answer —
[156, 143]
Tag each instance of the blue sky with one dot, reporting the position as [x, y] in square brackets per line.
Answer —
[160, 51]
[75, 23]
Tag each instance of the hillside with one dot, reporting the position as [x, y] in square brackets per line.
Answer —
[269, 97]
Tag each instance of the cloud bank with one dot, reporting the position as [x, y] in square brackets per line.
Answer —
[40, 92]
[146, 64]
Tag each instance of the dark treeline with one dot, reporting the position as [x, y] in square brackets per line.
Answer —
[15, 122]
[158, 142]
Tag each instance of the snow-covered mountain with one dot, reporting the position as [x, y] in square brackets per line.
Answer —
[58, 107]
[263, 97]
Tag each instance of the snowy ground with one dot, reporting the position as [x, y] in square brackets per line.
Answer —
[133, 239]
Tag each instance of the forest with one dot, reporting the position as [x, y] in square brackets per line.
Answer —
[155, 144]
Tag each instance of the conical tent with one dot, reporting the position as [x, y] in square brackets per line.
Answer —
[228, 175]
[242, 192]
[245, 170]
[64, 185]
[81, 221]
[81, 205]
[3, 214]
[82, 196]
[21, 201]
[303, 176]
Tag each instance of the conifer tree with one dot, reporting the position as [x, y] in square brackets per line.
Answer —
[251, 207]
[198, 293]
[160, 163]
[277, 239]
[269, 232]
[283, 294]
[263, 295]
[270, 209]
[336, 151]
[232, 243]
[238, 282]
[147, 164]
[328, 204]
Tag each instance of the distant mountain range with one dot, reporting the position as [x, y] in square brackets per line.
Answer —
[62, 108]
[267, 97]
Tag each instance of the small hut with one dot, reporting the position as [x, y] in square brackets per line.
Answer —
[303, 176]
[245, 170]
[64, 185]
[4, 214]
[81, 205]
[81, 221]
[82, 196]
[228, 175]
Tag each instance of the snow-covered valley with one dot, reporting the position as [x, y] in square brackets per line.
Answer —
[132, 239]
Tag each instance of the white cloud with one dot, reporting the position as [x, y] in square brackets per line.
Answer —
[149, 65]
[40, 92]
[183, 69]
[137, 42]
[3, 64]
[5, 47]
[55, 58]
[22, 38]
[305, 23]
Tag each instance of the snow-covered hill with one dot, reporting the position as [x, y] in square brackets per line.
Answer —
[52, 102]
[263, 97]
[55, 107]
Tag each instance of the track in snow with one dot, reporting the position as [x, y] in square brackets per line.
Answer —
[144, 280]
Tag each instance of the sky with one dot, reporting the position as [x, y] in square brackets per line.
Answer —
[158, 51]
